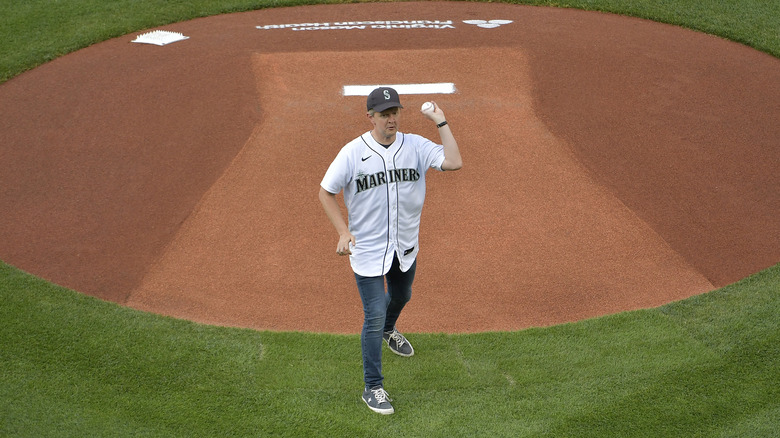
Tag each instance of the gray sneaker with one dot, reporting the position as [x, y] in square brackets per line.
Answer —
[378, 400]
[398, 343]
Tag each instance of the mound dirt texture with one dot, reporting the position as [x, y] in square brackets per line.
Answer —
[611, 164]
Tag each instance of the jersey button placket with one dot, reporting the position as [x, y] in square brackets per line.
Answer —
[393, 206]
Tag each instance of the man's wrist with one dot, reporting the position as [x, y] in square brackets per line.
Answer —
[439, 125]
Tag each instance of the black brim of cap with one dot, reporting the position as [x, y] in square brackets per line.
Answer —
[388, 105]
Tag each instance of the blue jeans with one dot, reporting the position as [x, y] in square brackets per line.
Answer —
[380, 312]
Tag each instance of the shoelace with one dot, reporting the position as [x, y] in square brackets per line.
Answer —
[399, 338]
[381, 395]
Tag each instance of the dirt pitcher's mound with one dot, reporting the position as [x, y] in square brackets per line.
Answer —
[610, 164]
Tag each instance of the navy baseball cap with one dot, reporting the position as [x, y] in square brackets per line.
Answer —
[383, 98]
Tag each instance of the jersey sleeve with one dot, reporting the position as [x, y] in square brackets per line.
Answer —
[338, 174]
[431, 154]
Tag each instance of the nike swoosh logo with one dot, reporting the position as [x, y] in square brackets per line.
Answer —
[364, 159]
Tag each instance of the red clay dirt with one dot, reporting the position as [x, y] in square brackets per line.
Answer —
[611, 164]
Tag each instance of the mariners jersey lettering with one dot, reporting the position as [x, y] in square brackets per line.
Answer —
[384, 192]
[392, 176]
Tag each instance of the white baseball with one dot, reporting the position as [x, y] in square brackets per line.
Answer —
[427, 106]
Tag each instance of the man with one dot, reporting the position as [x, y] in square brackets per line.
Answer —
[382, 174]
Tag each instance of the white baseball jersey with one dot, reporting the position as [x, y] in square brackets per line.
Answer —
[384, 191]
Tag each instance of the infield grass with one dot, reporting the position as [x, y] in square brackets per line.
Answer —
[72, 365]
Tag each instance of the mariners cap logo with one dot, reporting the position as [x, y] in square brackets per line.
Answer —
[383, 98]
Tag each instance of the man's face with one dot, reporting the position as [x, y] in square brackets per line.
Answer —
[386, 123]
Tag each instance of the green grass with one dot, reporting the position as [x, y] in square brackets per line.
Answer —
[72, 365]
[36, 31]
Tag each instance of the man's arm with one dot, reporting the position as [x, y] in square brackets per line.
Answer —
[333, 211]
[452, 158]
